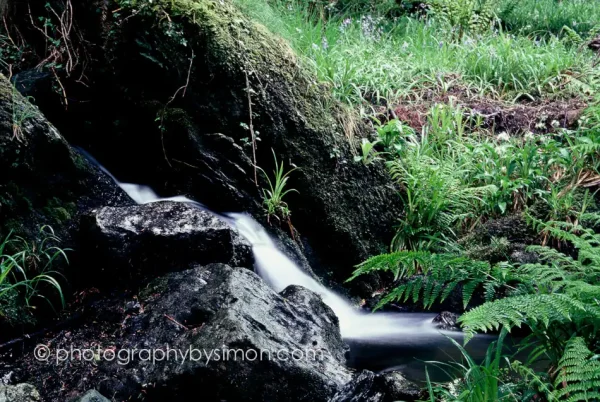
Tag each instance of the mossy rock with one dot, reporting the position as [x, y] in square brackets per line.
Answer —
[188, 136]
[43, 181]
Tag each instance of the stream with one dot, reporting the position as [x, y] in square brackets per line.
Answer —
[378, 341]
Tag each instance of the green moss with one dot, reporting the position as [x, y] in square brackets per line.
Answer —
[242, 47]
[156, 286]
[13, 311]
[57, 215]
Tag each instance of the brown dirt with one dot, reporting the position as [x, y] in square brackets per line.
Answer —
[90, 322]
[540, 117]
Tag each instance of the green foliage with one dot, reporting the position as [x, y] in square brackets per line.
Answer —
[21, 112]
[436, 197]
[11, 54]
[558, 299]
[465, 16]
[368, 154]
[429, 278]
[546, 17]
[392, 135]
[28, 272]
[478, 382]
[273, 195]
[371, 60]
[578, 373]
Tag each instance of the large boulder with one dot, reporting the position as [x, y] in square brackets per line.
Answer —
[182, 125]
[231, 312]
[143, 240]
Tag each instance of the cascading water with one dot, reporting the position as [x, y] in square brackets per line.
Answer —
[378, 340]
[279, 272]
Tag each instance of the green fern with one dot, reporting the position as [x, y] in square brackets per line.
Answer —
[514, 311]
[429, 278]
[465, 16]
[578, 373]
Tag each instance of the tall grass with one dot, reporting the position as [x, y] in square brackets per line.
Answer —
[30, 270]
[542, 17]
[480, 382]
[375, 60]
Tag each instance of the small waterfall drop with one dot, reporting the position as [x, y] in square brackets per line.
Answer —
[275, 268]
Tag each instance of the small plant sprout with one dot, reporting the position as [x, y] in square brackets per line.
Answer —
[368, 152]
[21, 112]
[392, 133]
[273, 195]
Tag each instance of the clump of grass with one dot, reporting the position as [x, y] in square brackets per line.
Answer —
[273, 196]
[21, 112]
[477, 382]
[29, 272]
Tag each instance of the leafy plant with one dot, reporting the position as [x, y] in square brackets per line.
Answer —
[473, 16]
[559, 300]
[392, 134]
[477, 382]
[368, 153]
[273, 196]
[30, 267]
[578, 373]
[429, 277]
[434, 191]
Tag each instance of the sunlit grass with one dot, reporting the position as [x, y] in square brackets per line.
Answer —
[370, 61]
[550, 16]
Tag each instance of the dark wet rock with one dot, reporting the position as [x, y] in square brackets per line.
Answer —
[398, 388]
[520, 255]
[514, 228]
[147, 239]
[220, 308]
[386, 387]
[34, 83]
[19, 393]
[132, 307]
[43, 180]
[502, 239]
[360, 389]
[91, 396]
[447, 321]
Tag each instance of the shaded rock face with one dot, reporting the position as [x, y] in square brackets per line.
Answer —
[142, 240]
[387, 387]
[43, 180]
[19, 393]
[197, 144]
[232, 313]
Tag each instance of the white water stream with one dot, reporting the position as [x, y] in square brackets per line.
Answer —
[275, 268]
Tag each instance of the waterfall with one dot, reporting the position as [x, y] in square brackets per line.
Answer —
[276, 269]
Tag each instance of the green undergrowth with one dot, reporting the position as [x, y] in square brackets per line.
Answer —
[456, 177]
[29, 275]
[369, 59]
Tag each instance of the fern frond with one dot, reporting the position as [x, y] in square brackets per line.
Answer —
[578, 373]
[515, 311]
